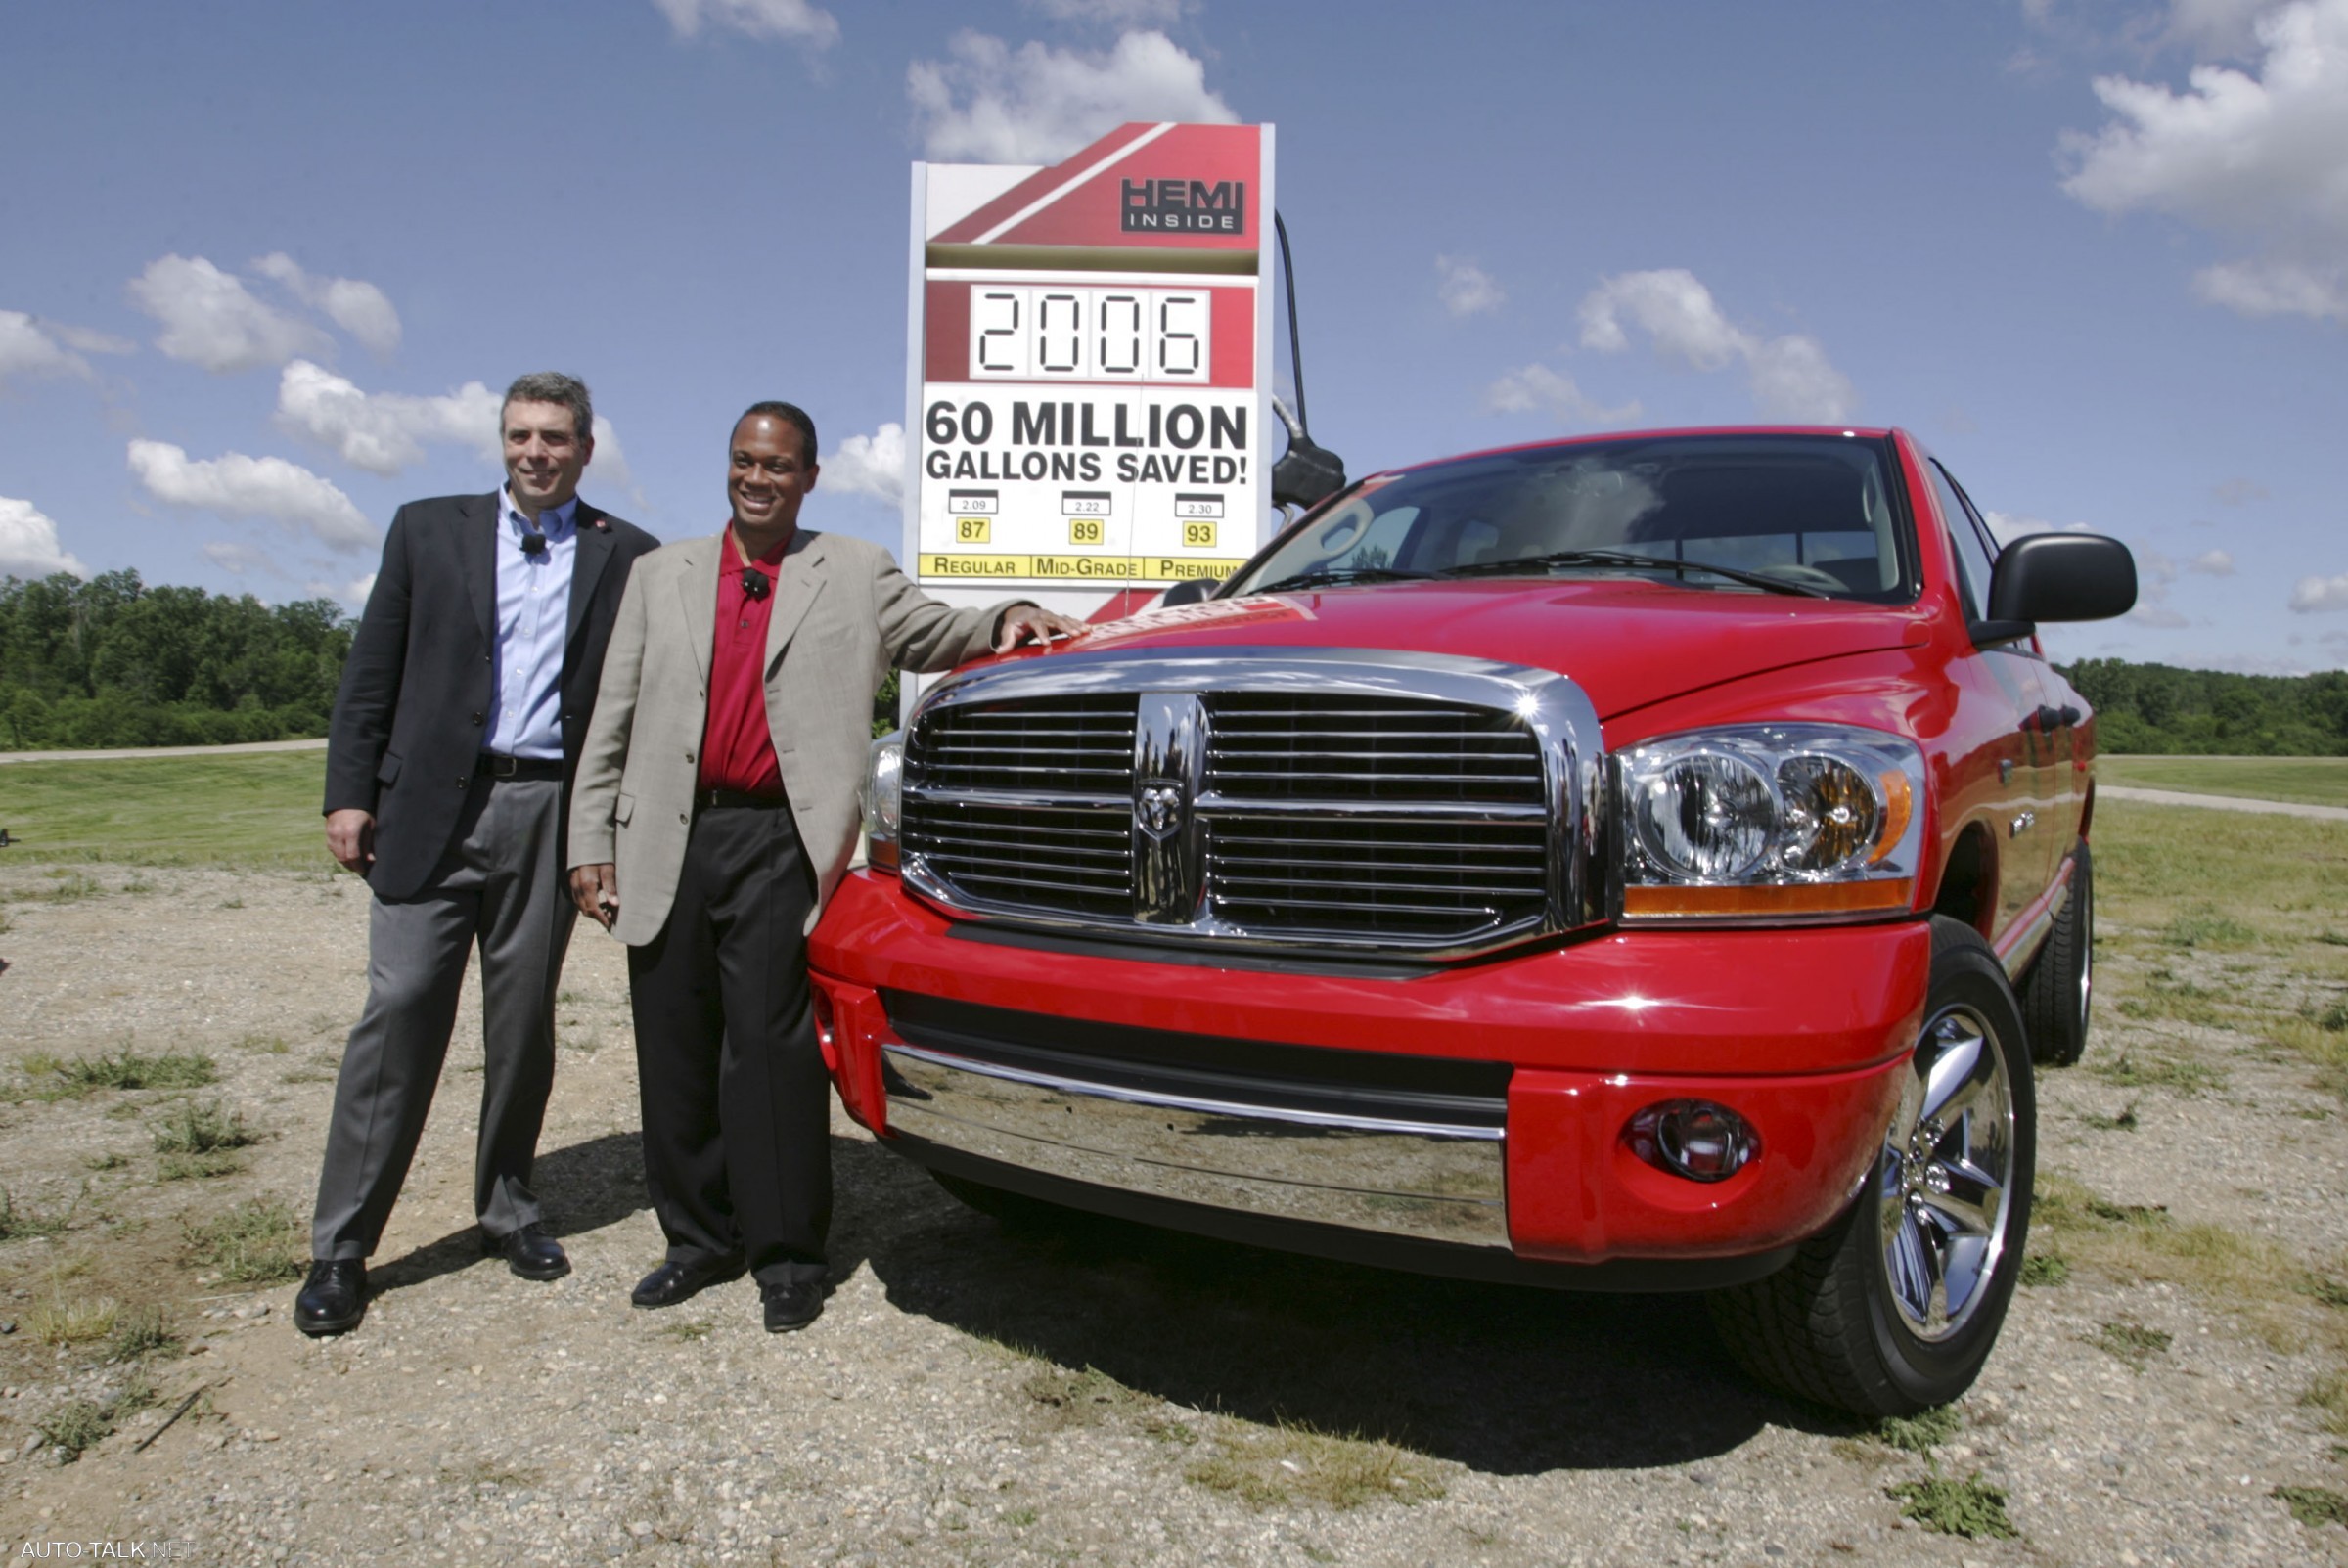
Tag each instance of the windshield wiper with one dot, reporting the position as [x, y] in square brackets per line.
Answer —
[1329, 576]
[1625, 557]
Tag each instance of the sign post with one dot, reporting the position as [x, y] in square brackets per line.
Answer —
[1088, 382]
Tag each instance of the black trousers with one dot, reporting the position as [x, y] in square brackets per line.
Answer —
[736, 1105]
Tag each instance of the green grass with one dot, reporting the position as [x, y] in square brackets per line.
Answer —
[1920, 1433]
[80, 1424]
[255, 1243]
[2219, 877]
[2132, 1343]
[2313, 781]
[2041, 1270]
[72, 1077]
[142, 1331]
[1970, 1508]
[189, 1128]
[16, 1222]
[2314, 1506]
[259, 809]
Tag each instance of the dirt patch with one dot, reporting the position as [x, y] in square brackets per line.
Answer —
[2169, 1391]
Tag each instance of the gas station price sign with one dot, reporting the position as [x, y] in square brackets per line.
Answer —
[1088, 380]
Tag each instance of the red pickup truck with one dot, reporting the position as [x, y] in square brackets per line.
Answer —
[1642, 863]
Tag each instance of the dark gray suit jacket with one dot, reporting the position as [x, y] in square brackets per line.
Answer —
[415, 696]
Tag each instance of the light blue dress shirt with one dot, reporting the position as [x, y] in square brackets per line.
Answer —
[533, 619]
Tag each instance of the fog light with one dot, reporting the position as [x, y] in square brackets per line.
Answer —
[1692, 1137]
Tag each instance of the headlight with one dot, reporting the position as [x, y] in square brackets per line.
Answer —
[881, 797]
[1769, 821]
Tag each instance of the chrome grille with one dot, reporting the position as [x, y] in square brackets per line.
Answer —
[1378, 856]
[1278, 747]
[1327, 799]
[1027, 803]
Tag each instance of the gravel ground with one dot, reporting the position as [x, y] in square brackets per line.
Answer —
[1108, 1395]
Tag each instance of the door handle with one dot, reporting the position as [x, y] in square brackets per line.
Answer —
[2021, 825]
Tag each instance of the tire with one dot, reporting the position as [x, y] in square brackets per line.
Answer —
[2060, 988]
[1856, 1321]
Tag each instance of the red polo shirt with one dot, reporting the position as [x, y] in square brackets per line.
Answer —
[738, 750]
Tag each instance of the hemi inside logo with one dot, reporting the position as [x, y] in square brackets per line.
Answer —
[1185, 206]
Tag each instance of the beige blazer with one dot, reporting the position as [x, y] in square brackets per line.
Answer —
[844, 614]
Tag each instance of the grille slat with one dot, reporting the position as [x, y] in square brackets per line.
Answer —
[1373, 822]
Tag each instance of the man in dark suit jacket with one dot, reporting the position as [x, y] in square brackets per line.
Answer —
[462, 712]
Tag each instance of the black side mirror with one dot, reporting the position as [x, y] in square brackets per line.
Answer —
[1306, 474]
[1192, 591]
[2057, 577]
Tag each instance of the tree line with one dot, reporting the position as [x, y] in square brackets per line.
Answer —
[2160, 708]
[113, 662]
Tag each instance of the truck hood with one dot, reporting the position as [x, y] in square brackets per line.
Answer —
[1626, 643]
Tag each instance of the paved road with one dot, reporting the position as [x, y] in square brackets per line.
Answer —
[2177, 797]
[161, 751]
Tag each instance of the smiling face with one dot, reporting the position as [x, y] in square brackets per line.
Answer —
[767, 476]
[545, 454]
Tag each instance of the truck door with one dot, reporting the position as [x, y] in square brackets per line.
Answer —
[2026, 809]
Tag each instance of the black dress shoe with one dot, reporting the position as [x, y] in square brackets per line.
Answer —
[674, 1282]
[334, 1298]
[792, 1304]
[529, 1252]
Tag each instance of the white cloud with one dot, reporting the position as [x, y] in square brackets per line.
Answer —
[29, 348]
[608, 467]
[1465, 288]
[991, 104]
[2216, 26]
[2236, 492]
[2254, 155]
[269, 489]
[2211, 563]
[28, 544]
[2007, 526]
[1111, 13]
[1536, 389]
[2321, 595]
[792, 19]
[211, 319]
[240, 559]
[360, 309]
[384, 432]
[1790, 377]
[870, 465]
[2155, 576]
[2274, 289]
[358, 588]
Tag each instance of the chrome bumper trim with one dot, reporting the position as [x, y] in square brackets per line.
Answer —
[1434, 1181]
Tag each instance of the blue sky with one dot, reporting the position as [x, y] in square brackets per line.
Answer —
[254, 257]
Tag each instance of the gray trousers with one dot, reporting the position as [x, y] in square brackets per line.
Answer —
[500, 885]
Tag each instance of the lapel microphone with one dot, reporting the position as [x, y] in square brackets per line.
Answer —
[533, 545]
[753, 583]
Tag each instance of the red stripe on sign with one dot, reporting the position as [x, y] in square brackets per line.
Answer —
[1234, 364]
[1196, 188]
[1042, 183]
[946, 325]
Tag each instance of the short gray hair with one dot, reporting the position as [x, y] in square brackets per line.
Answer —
[553, 386]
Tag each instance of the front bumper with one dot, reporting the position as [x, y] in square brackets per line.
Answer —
[1470, 1109]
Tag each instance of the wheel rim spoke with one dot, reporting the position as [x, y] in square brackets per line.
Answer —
[1947, 1162]
[1963, 1067]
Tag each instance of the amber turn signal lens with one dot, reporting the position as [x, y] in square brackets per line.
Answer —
[1899, 804]
[1793, 898]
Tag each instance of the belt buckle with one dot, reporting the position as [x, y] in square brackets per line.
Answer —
[503, 767]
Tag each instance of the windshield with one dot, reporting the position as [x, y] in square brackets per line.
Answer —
[1805, 514]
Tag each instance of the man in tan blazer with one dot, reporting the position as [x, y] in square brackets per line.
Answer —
[714, 812]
